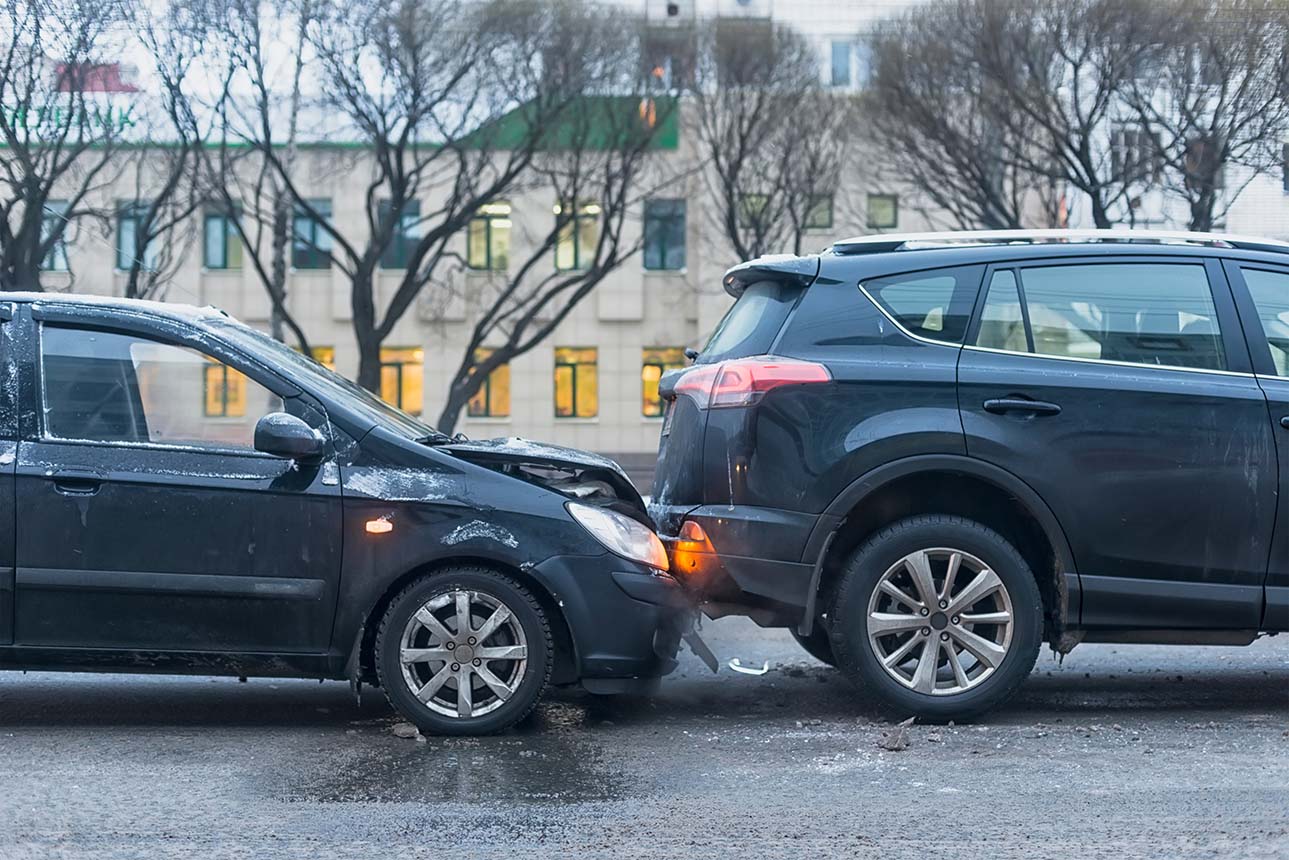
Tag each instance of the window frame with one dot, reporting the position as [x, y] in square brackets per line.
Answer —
[230, 235]
[1255, 336]
[486, 390]
[813, 202]
[573, 366]
[574, 227]
[399, 366]
[1229, 328]
[662, 370]
[56, 260]
[206, 346]
[488, 219]
[133, 210]
[396, 255]
[323, 254]
[666, 222]
[895, 208]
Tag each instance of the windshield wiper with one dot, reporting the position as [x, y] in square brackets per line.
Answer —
[440, 438]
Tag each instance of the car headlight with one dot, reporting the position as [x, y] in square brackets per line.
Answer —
[621, 535]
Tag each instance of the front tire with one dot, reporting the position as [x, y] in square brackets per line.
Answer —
[937, 616]
[464, 651]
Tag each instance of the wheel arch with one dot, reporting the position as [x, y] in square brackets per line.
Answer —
[949, 484]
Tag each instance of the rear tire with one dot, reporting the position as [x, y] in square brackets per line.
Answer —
[901, 620]
[501, 653]
[817, 644]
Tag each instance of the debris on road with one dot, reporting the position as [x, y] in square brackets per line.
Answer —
[737, 666]
[406, 731]
[897, 739]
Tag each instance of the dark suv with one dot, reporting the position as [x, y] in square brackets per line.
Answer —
[180, 493]
[927, 454]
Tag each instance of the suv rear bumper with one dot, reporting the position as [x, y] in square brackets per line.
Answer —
[747, 551]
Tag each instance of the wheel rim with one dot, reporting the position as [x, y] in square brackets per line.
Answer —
[463, 653]
[940, 621]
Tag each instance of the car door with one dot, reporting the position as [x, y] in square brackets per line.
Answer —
[1120, 389]
[1262, 295]
[149, 522]
[8, 456]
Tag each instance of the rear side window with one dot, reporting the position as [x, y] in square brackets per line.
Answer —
[1159, 314]
[934, 304]
[1270, 293]
[750, 326]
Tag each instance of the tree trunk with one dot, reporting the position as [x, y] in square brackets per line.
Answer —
[278, 272]
[369, 361]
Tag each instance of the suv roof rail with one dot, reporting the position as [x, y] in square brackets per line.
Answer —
[883, 242]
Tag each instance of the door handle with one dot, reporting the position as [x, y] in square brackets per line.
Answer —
[1284, 422]
[1003, 405]
[74, 483]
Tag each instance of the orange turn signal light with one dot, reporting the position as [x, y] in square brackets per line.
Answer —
[692, 532]
[379, 526]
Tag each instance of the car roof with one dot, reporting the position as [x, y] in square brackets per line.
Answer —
[87, 302]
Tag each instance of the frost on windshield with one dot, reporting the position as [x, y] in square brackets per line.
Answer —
[7, 451]
[401, 485]
[479, 530]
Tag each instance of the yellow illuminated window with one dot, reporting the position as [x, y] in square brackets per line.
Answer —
[225, 391]
[656, 361]
[492, 400]
[577, 388]
[575, 245]
[324, 355]
[488, 238]
[402, 377]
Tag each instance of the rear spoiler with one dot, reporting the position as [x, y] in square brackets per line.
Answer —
[781, 268]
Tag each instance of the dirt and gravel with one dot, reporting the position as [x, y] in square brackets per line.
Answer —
[1118, 752]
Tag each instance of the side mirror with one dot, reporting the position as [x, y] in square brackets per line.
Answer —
[284, 435]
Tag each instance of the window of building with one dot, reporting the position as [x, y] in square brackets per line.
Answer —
[492, 400]
[664, 234]
[655, 361]
[1135, 154]
[111, 387]
[577, 384]
[310, 241]
[129, 223]
[487, 238]
[1157, 314]
[398, 253]
[751, 208]
[324, 355]
[578, 236]
[54, 222]
[883, 211]
[841, 63]
[934, 304]
[1270, 293]
[402, 377]
[222, 246]
[819, 212]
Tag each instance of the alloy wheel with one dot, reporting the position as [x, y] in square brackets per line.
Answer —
[463, 653]
[940, 621]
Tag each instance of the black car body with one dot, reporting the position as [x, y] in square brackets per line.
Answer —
[1111, 407]
[141, 535]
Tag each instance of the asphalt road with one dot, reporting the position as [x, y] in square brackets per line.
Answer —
[1119, 752]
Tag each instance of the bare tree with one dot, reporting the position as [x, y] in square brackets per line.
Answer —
[929, 112]
[772, 139]
[1218, 98]
[59, 127]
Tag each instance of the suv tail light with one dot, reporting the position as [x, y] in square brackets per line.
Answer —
[744, 381]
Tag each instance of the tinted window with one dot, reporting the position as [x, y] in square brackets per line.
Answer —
[120, 388]
[1001, 325]
[750, 326]
[934, 304]
[1143, 313]
[1270, 293]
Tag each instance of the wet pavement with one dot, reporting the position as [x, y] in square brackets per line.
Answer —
[1119, 752]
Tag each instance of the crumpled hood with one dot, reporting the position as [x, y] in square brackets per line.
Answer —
[513, 450]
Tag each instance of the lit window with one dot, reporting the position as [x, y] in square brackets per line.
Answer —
[664, 234]
[54, 223]
[883, 211]
[656, 361]
[578, 236]
[324, 355]
[398, 253]
[841, 63]
[492, 400]
[129, 221]
[751, 209]
[310, 241]
[577, 386]
[402, 377]
[819, 212]
[487, 238]
[222, 247]
[225, 391]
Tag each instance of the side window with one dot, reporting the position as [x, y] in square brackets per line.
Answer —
[934, 304]
[1270, 293]
[1001, 325]
[1159, 314]
[109, 387]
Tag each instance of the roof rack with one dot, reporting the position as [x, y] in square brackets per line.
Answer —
[918, 241]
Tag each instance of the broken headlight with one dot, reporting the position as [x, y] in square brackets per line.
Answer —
[621, 535]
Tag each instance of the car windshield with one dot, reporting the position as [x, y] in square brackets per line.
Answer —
[275, 352]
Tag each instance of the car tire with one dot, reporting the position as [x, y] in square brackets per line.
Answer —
[423, 623]
[817, 644]
[880, 639]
